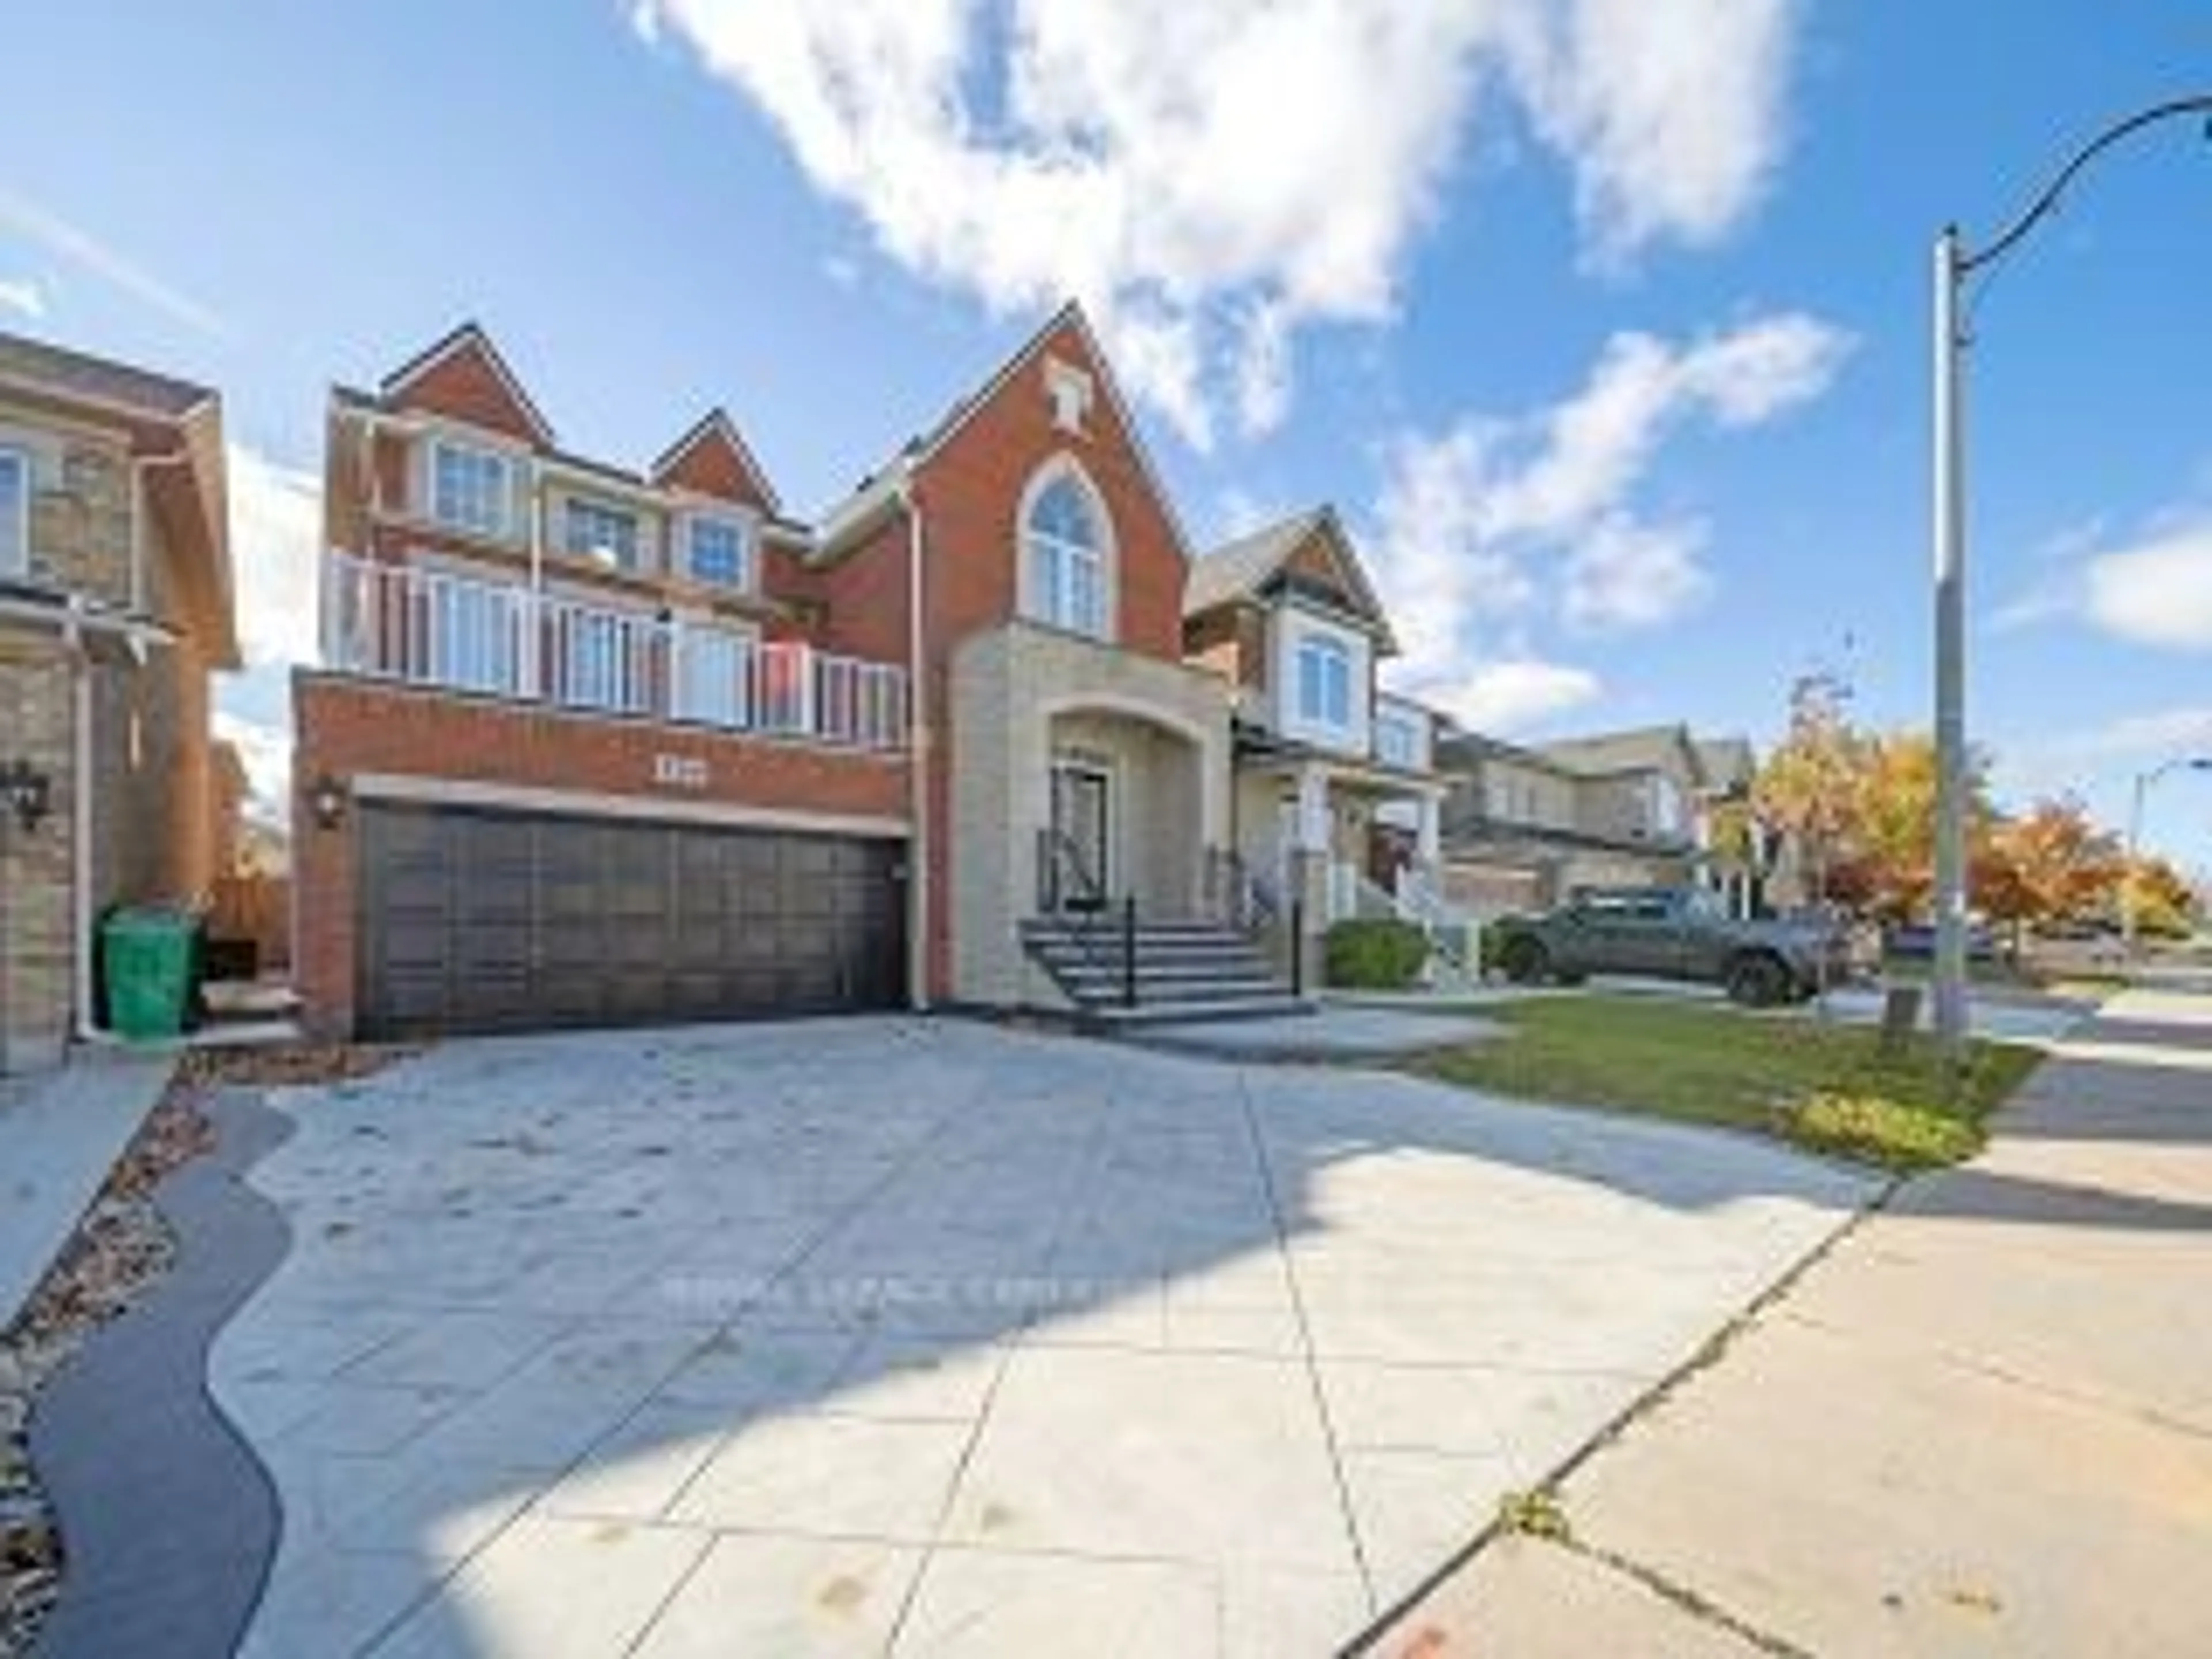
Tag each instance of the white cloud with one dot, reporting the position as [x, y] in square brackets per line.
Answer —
[1512, 696]
[24, 295]
[276, 550]
[1208, 179]
[1623, 575]
[2165, 732]
[2157, 592]
[80, 247]
[1496, 524]
[1671, 111]
[1579, 458]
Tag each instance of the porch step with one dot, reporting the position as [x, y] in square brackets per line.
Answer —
[1182, 970]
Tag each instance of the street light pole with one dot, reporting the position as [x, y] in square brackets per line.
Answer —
[1949, 985]
[1955, 262]
[2129, 912]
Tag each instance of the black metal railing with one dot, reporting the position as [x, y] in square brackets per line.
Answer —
[1103, 932]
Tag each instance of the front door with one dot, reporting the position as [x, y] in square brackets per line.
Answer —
[1081, 827]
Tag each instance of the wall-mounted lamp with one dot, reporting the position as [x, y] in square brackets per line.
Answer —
[27, 791]
[326, 801]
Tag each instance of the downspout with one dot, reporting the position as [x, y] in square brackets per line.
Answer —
[81, 822]
[138, 467]
[919, 890]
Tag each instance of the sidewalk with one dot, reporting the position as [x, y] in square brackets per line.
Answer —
[1982, 1425]
[60, 1132]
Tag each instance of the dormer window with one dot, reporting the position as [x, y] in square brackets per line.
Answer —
[719, 550]
[15, 513]
[471, 488]
[608, 535]
[1066, 553]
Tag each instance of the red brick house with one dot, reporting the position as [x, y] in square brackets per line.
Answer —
[591, 744]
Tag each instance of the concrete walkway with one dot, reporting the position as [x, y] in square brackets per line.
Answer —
[169, 1521]
[60, 1133]
[1334, 1031]
[1982, 1425]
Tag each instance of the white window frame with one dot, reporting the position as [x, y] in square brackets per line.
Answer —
[441, 444]
[17, 563]
[734, 708]
[1397, 738]
[748, 577]
[1049, 596]
[631, 560]
[1331, 660]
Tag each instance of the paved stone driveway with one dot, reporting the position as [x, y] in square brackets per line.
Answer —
[923, 1337]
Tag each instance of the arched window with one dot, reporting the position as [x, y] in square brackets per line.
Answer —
[1067, 554]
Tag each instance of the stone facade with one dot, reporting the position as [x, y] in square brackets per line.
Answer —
[105, 603]
[37, 930]
[80, 507]
[1022, 694]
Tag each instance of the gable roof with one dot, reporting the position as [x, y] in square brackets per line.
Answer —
[1642, 749]
[862, 505]
[77, 375]
[716, 423]
[471, 338]
[1238, 570]
[1243, 569]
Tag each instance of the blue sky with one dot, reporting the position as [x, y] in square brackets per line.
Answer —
[1604, 324]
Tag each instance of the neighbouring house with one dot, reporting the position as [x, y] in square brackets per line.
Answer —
[1525, 826]
[591, 744]
[1326, 761]
[115, 608]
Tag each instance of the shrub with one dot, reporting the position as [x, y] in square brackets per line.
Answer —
[1892, 1134]
[1377, 954]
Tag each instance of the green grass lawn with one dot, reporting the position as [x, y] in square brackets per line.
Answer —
[1828, 1087]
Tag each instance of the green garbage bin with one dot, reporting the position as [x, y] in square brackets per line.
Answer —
[151, 955]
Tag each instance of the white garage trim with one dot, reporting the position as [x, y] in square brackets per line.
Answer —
[451, 792]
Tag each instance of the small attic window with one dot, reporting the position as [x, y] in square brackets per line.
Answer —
[1070, 390]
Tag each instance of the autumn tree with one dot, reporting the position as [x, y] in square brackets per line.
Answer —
[2051, 864]
[1859, 807]
[2160, 898]
[1809, 790]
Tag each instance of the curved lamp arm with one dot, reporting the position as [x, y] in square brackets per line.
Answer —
[2046, 203]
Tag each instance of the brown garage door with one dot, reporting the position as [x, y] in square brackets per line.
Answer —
[502, 921]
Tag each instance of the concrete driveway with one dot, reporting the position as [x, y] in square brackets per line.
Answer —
[926, 1338]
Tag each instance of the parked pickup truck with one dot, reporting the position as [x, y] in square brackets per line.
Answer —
[1673, 934]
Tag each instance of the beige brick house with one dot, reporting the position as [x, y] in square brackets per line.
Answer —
[1524, 827]
[1329, 765]
[115, 606]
